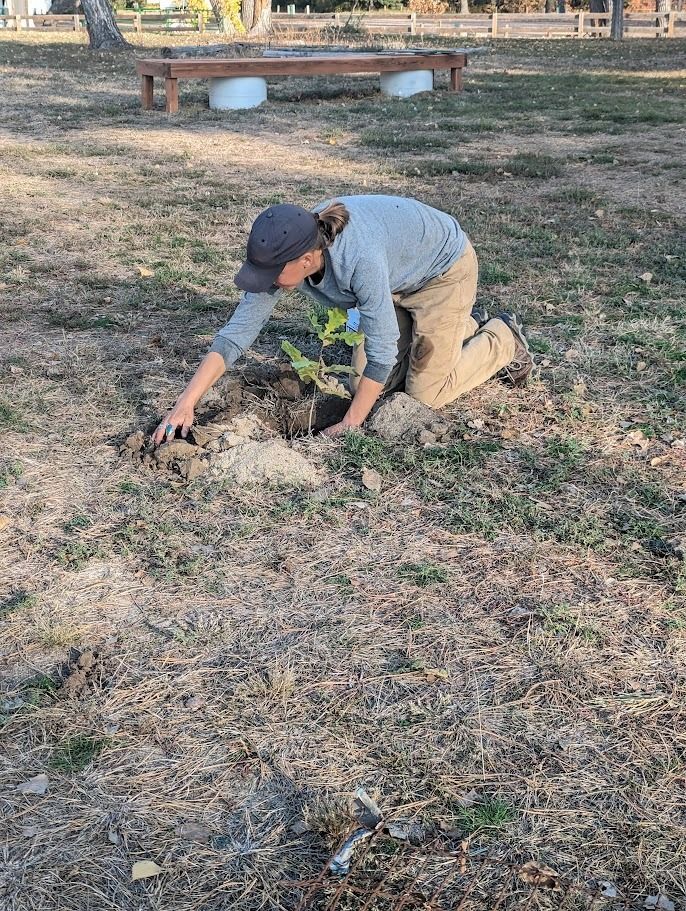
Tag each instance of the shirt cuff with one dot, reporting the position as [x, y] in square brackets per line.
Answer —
[228, 350]
[377, 372]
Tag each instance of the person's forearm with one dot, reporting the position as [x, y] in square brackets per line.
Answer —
[211, 368]
[367, 393]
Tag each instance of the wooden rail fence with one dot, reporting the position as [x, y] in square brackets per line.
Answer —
[475, 25]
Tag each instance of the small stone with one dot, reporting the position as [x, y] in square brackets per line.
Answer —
[426, 438]
[658, 903]
[37, 785]
[641, 366]
[228, 440]
[86, 661]
[299, 827]
[135, 441]
[193, 468]
[476, 424]
[400, 416]
[193, 832]
[439, 429]
[194, 703]
[371, 479]
[647, 277]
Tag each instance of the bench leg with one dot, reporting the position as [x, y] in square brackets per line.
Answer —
[171, 88]
[147, 92]
[456, 79]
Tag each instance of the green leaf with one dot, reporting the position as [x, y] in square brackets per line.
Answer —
[291, 351]
[314, 322]
[337, 318]
[350, 338]
[306, 368]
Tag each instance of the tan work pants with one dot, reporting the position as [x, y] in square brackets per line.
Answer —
[442, 353]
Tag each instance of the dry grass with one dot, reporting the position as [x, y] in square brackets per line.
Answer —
[262, 653]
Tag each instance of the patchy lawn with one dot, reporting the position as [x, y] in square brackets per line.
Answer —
[507, 617]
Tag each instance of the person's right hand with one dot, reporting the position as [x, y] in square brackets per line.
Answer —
[181, 415]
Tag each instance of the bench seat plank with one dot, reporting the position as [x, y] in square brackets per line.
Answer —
[172, 70]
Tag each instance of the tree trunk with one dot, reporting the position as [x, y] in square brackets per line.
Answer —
[617, 26]
[464, 7]
[561, 6]
[257, 16]
[663, 6]
[224, 23]
[550, 6]
[103, 31]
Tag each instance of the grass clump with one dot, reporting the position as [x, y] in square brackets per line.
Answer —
[74, 753]
[360, 451]
[423, 574]
[17, 602]
[491, 813]
[9, 472]
[11, 418]
[533, 164]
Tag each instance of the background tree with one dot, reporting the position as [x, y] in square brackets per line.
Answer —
[617, 25]
[256, 16]
[228, 15]
[103, 31]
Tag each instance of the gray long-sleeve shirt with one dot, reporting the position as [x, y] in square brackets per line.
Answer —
[391, 245]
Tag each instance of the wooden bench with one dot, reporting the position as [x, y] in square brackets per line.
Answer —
[173, 70]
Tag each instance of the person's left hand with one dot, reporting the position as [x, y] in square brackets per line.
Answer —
[337, 430]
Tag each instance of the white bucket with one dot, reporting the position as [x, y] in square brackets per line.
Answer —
[402, 85]
[233, 93]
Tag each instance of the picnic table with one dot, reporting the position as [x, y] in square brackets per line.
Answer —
[315, 65]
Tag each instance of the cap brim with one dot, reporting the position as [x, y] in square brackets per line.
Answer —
[256, 278]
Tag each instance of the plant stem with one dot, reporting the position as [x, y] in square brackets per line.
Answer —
[314, 391]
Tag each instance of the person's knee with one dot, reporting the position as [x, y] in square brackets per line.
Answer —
[426, 396]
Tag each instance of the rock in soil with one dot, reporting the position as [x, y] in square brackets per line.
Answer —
[426, 438]
[79, 674]
[135, 441]
[271, 461]
[401, 417]
[371, 479]
[175, 451]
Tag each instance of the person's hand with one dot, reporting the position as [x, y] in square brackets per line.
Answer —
[181, 415]
[337, 430]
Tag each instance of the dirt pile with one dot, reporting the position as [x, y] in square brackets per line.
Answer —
[245, 449]
[400, 417]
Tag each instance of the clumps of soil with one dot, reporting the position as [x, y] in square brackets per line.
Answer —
[80, 674]
[245, 449]
[402, 418]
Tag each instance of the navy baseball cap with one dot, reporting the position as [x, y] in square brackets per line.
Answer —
[279, 235]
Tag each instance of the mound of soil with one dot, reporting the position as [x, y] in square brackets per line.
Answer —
[244, 449]
[400, 417]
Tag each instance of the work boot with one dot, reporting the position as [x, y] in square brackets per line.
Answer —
[517, 371]
[480, 316]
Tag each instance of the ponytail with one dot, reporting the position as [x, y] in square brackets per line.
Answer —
[331, 222]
